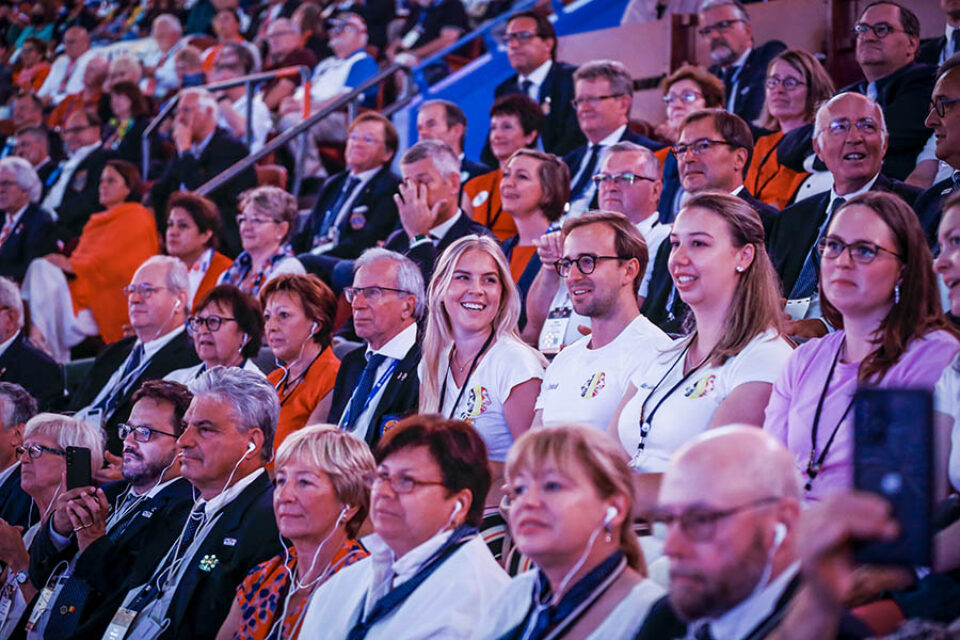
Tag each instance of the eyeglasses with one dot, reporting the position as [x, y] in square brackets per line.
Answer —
[866, 126]
[788, 83]
[592, 101]
[881, 29]
[699, 147]
[586, 263]
[521, 37]
[372, 294]
[256, 220]
[939, 105]
[212, 323]
[690, 96]
[398, 484]
[620, 179]
[141, 432]
[861, 251]
[700, 523]
[723, 25]
[145, 290]
[37, 450]
[366, 138]
[6, 184]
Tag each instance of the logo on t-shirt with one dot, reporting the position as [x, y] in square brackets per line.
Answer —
[478, 401]
[593, 385]
[701, 388]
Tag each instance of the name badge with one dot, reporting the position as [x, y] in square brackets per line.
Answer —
[146, 514]
[43, 601]
[230, 542]
[554, 328]
[797, 309]
[411, 38]
[122, 621]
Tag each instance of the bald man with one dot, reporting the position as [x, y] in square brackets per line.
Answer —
[728, 508]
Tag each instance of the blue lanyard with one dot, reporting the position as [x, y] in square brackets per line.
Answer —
[345, 418]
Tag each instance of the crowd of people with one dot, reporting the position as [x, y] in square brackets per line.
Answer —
[596, 383]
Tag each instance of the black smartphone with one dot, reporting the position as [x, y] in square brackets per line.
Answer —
[78, 467]
[893, 457]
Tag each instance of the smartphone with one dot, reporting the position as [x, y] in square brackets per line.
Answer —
[893, 457]
[78, 467]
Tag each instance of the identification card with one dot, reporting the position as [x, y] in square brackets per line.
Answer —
[554, 329]
[43, 601]
[123, 619]
[411, 38]
[797, 309]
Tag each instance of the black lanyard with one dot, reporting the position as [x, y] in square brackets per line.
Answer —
[466, 383]
[757, 188]
[815, 464]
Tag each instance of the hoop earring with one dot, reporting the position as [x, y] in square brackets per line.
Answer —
[896, 293]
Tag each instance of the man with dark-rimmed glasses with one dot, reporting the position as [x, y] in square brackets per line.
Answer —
[944, 118]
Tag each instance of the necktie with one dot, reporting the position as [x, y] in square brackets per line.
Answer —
[7, 228]
[872, 91]
[729, 78]
[194, 521]
[586, 173]
[807, 280]
[112, 399]
[7, 147]
[703, 633]
[955, 39]
[331, 215]
[526, 84]
[956, 180]
[360, 393]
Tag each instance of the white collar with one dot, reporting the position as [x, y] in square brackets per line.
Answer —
[83, 152]
[834, 195]
[742, 60]
[399, 345]
[443, 228]
[200, 146]
[151, 347]
[365, 176]
[949, 31]
[407, 566]
[736, 192]
[6, 343]
[613, 138]
[738, 621]
[538, 75]
[225, 497]
[157, 488]
[646, 225]
[19, 213]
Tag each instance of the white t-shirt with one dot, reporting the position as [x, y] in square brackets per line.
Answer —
[687, 411]
[506, 364]
[585, 385]
[946, 399]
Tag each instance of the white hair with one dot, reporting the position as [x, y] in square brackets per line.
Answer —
[650, 162]
[177, 279]
[713, 4]
[819, 128]
[10, 295]
[170, 20]
[25, 175]
[205, 100]
[68, 432]
[254, 400]
[409, 276]
[444, 159]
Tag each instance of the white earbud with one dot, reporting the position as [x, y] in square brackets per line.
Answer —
[243, 342]
[313, 330]
[612, 512]
[457, 506]
[779, 534]
[251, 447]
[176, 305]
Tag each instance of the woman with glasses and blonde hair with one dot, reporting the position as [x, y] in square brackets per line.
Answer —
[723, 372]
[569, 495]
[320, 502]
[879, 291]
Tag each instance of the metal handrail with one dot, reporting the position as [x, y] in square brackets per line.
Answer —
[302, 127]
[249, 81]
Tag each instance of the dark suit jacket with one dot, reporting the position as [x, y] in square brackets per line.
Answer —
[575, 157]
[904, 96]
[112, 565]
[176, 354]
[930, 50]
[24, 364]
[33, 237]
[751, 91]
[795, 231]
[373, 215]
[16, 507]
[929, 207]
[561, 133]
[81, 198]
[400, 398]
[222, 152]
[46, 174]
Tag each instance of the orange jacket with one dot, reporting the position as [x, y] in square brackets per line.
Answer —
[218, 264]
[767, 179]
[483, 194]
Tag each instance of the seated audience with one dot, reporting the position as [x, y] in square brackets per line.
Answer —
[66, 73]
[159, 72]
[797, 84]
[16, 408]
[429, 27]
[46, 437]
[204, 150]
[604, 95]
[444, 121]
[298, 312]
[226, 26]
[285, 50]
[532, 52]
[851, 138]
[570, 510]
[725, 27]
[227, 329]
[193, 236]
[267, 221]
[944, 118]
[28, 231]
[320, 503]
[227, 440]
[33, 145]
[21, 362]
[515, 122]
[377, 384]
[426, 502]
[888, 35]
[123, 68]
[81, 295]
[90, 546]
[234, 61]
[724, 371]
[686, 90]
[879, 290]
[587, 379]
[27, 111]
[131, 115]
[355, 208]
[94, 77]
[188, 65]
[947, 399]
[33, 66]
[157, 304]
[534, 191]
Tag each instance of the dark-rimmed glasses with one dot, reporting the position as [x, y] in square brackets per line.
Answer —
[861, 251]
[723, 25]
[141, 432]
[399, 483]
[620, 179]
[699, 147]
[212, 323]
[788, 83]
[37, 450]
[700, 523]
[592, 100]
[939, 105]
[586, 263]
[881, 29]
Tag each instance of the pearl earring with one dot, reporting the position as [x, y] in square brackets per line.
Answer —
[896, 293]
[739, 268]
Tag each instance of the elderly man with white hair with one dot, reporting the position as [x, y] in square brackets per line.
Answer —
[28, 230]
[20, 361]
[204, 150]
[159, 70]
[850, 136]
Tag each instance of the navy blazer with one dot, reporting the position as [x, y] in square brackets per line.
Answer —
[401, 394]
[561, 133]
[796, 228]
[904, 96]
[26, 365]
[34, 237]
[373, 215]
[929, 207]
[81, 198]
[176, 354]
[16, 506]
[575, 157]
[751, 88]
[930, 50]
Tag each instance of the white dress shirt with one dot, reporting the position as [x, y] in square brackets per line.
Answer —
[582, 203]
[743, 618]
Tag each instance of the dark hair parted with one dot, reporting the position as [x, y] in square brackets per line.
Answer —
[919, 311]
[731, 128]
[628, 244]
[544, 30]
[819, 85]
[390, 138]
[174, 393]
[202, 211]
[131, 177]
[318, 301]
[457, 449]
[246, 311]
[139, 106]
[526, 111]
[554, 179]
